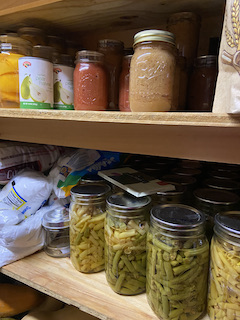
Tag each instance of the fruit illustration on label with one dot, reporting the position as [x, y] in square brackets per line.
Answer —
[57, 88]
[61, 94]
[25, 87]
[37, 93]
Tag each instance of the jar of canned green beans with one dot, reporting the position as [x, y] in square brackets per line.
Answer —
[224, 279]
[126, 227]
[177, 262]
[87, 214]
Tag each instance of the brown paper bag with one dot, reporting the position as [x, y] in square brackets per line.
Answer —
[227, 94]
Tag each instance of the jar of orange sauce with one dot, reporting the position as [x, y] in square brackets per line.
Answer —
[124, 84]
[90, 81]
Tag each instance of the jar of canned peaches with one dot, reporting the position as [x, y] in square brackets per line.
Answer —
[11, 49]
[152, 71]
[87, 214]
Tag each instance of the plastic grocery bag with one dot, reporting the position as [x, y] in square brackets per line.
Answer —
[23, 196]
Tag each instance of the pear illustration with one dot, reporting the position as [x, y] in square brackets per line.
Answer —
[25, 87]
[37, 93]
[57, 88]
[66, 96]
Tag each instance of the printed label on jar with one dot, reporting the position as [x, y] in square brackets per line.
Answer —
[63, 87]
[35, 83]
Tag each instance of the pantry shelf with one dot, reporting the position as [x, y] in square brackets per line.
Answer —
[89, 292]
[199, 136]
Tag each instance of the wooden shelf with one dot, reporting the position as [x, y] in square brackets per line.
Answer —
[89, 292]
[199, 136]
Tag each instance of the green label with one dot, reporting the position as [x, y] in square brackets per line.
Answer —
[63, 106]
[35, 105]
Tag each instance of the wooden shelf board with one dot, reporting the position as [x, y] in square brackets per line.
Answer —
[199, 136]
[89, 292]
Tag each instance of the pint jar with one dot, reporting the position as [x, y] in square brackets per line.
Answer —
[126, 227]
[87, 214]
[224, 278]
[169, 197]
[152, 71]
[177, 262]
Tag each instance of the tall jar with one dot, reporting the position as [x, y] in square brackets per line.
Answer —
[90, 81]
[202, 84]
[224, 278]
[87, 214]
[126, 227]
[177, 262]
[113, 54]
[185, 26]
[124, 84]
[152, 71]
[11, 49]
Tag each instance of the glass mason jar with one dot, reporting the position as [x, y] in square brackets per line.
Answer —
[152, 71]
[223, 184]
[56, 42]
[44, 52]
[169, 197]
[11, 49]
[224, 280]
[113, 54]
[180, 85]
[87, 214]
[202, 84]
[90, 81]
[185, 26]
[35, 35]
[224, 175]
[177, 262]
[126, 227]
[124, 84]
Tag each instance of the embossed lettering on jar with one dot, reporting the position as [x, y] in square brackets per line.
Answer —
[152, 71]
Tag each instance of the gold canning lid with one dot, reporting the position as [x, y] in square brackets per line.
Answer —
[154, 35]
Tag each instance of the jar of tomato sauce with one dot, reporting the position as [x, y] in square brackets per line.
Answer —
[90, 81]
[124, 84]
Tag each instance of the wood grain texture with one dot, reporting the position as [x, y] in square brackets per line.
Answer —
[206, 136]
[89, 292]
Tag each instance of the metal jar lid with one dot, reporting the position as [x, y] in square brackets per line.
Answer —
[183, 180]
[91, 190]
[173, 218]
[122, 202]
[206, 61]
[227, 226]
[222, 184]
[226, 175]
[214, 196]
[154, 35]
[56, 219]
[186, 171]
[179, 190]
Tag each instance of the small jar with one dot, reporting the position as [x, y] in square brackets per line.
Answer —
[178, 258]
[126, 227]
[56, 226]
[11, 49]
[124, 84]
[185, 26]
[35, 35]
[90, 81]
[113, 54]
[223, 184]
[170, 197]
[224, 282]
[87, 214]
[152, 71]
[202, 84]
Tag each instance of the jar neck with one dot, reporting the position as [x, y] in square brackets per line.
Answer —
[127, 213]
[86, 200]
[226, 235]
[149, 44]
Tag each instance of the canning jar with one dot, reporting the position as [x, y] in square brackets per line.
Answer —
[180, 85]
[224, 280]
[56, 226]
[170, 197]
[90, 81]
[113, 54]
[185, 26]
[44, 52]
[87, 214]
[224, 175]
[152, 71]
[35, 35]
[177, 262]
[202, 84]
[124, 84]
[223, 184]
[126, 227]
[56, 42]
[187, 172]
[11, 49]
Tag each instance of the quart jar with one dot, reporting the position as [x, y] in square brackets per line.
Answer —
[177, 262]
[56, 226]
[126, 227]
[152, 71]
[185, 26]
[124, 84]
[90, 81]
[113, 54]
[224, 280]
[11, 49]
[87, 214]
[169, 197]
[202, 84]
